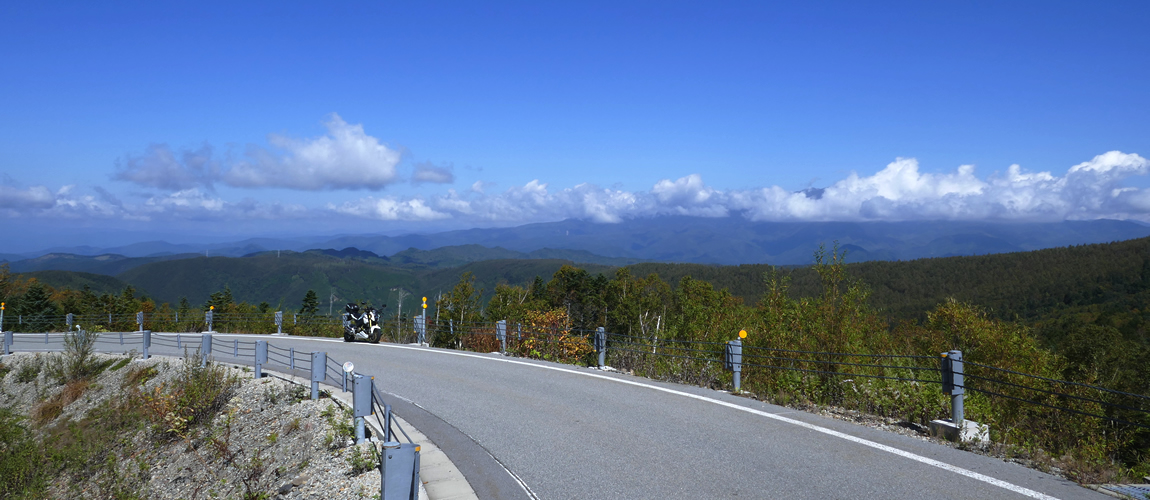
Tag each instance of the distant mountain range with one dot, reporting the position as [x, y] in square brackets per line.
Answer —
[727, 240]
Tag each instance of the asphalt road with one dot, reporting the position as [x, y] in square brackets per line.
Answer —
[571, 432]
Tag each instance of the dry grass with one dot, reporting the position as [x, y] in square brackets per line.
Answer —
[48, 410]
[138, 376]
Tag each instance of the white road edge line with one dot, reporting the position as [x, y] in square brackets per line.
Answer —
[878, 446]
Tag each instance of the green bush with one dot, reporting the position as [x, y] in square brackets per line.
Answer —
[196, 395]
[22, 473]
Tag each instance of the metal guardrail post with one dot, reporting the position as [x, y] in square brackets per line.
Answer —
[291, 358]
[954, 385]
[179, 342]
[68, 321]
[399, 471]
[360, 402]
[279, 322]
[205, 348]
[261, 357]
[501, 334]
[147, 342]
[236, 348]
[420, 329]
[7, 343]
[209, 315]
[733, 360]
[601, 345]
[140, 320]
[318, 372]
[121, 338]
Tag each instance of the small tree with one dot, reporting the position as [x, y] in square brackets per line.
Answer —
[460, 306]
[223, 300]
[310, 305]
[37, 308]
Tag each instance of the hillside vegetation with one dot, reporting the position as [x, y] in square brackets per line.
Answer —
[1108, 282]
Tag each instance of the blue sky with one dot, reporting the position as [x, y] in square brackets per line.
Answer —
[215, 120]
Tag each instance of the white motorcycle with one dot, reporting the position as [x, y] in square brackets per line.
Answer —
[362, 324]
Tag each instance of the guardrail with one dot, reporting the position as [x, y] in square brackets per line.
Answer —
[690, 361]
[398, 462]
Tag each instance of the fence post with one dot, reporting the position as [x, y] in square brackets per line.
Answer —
[7, 343]
[261, 357]
[420, 328]
[601, 345]
[279, 322]
[208, 317]
[68, 320]
[318, 372]
[360, 402]
[140, 320]
[501, 334]
[121, 338]
[205, 348]
[954, 385]
[733, 358]
[147, 342]
[291, 358]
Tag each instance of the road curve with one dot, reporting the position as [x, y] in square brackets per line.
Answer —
[571, 432]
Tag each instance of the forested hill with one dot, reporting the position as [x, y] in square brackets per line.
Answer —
[1111, 279]
[1023, 285]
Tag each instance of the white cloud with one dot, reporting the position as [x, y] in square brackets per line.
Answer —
[162, 168]
[900, 191]
[35, 197]
[345, 158]
[427, 172]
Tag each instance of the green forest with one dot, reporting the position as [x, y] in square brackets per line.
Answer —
[1076, 314]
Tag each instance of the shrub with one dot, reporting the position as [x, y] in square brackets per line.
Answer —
[28, 371]
[360, 460]
[78, 360]
[21, 470]
[196, 395]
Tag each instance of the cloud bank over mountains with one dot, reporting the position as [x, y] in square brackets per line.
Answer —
[899, 192]
[183, 186]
